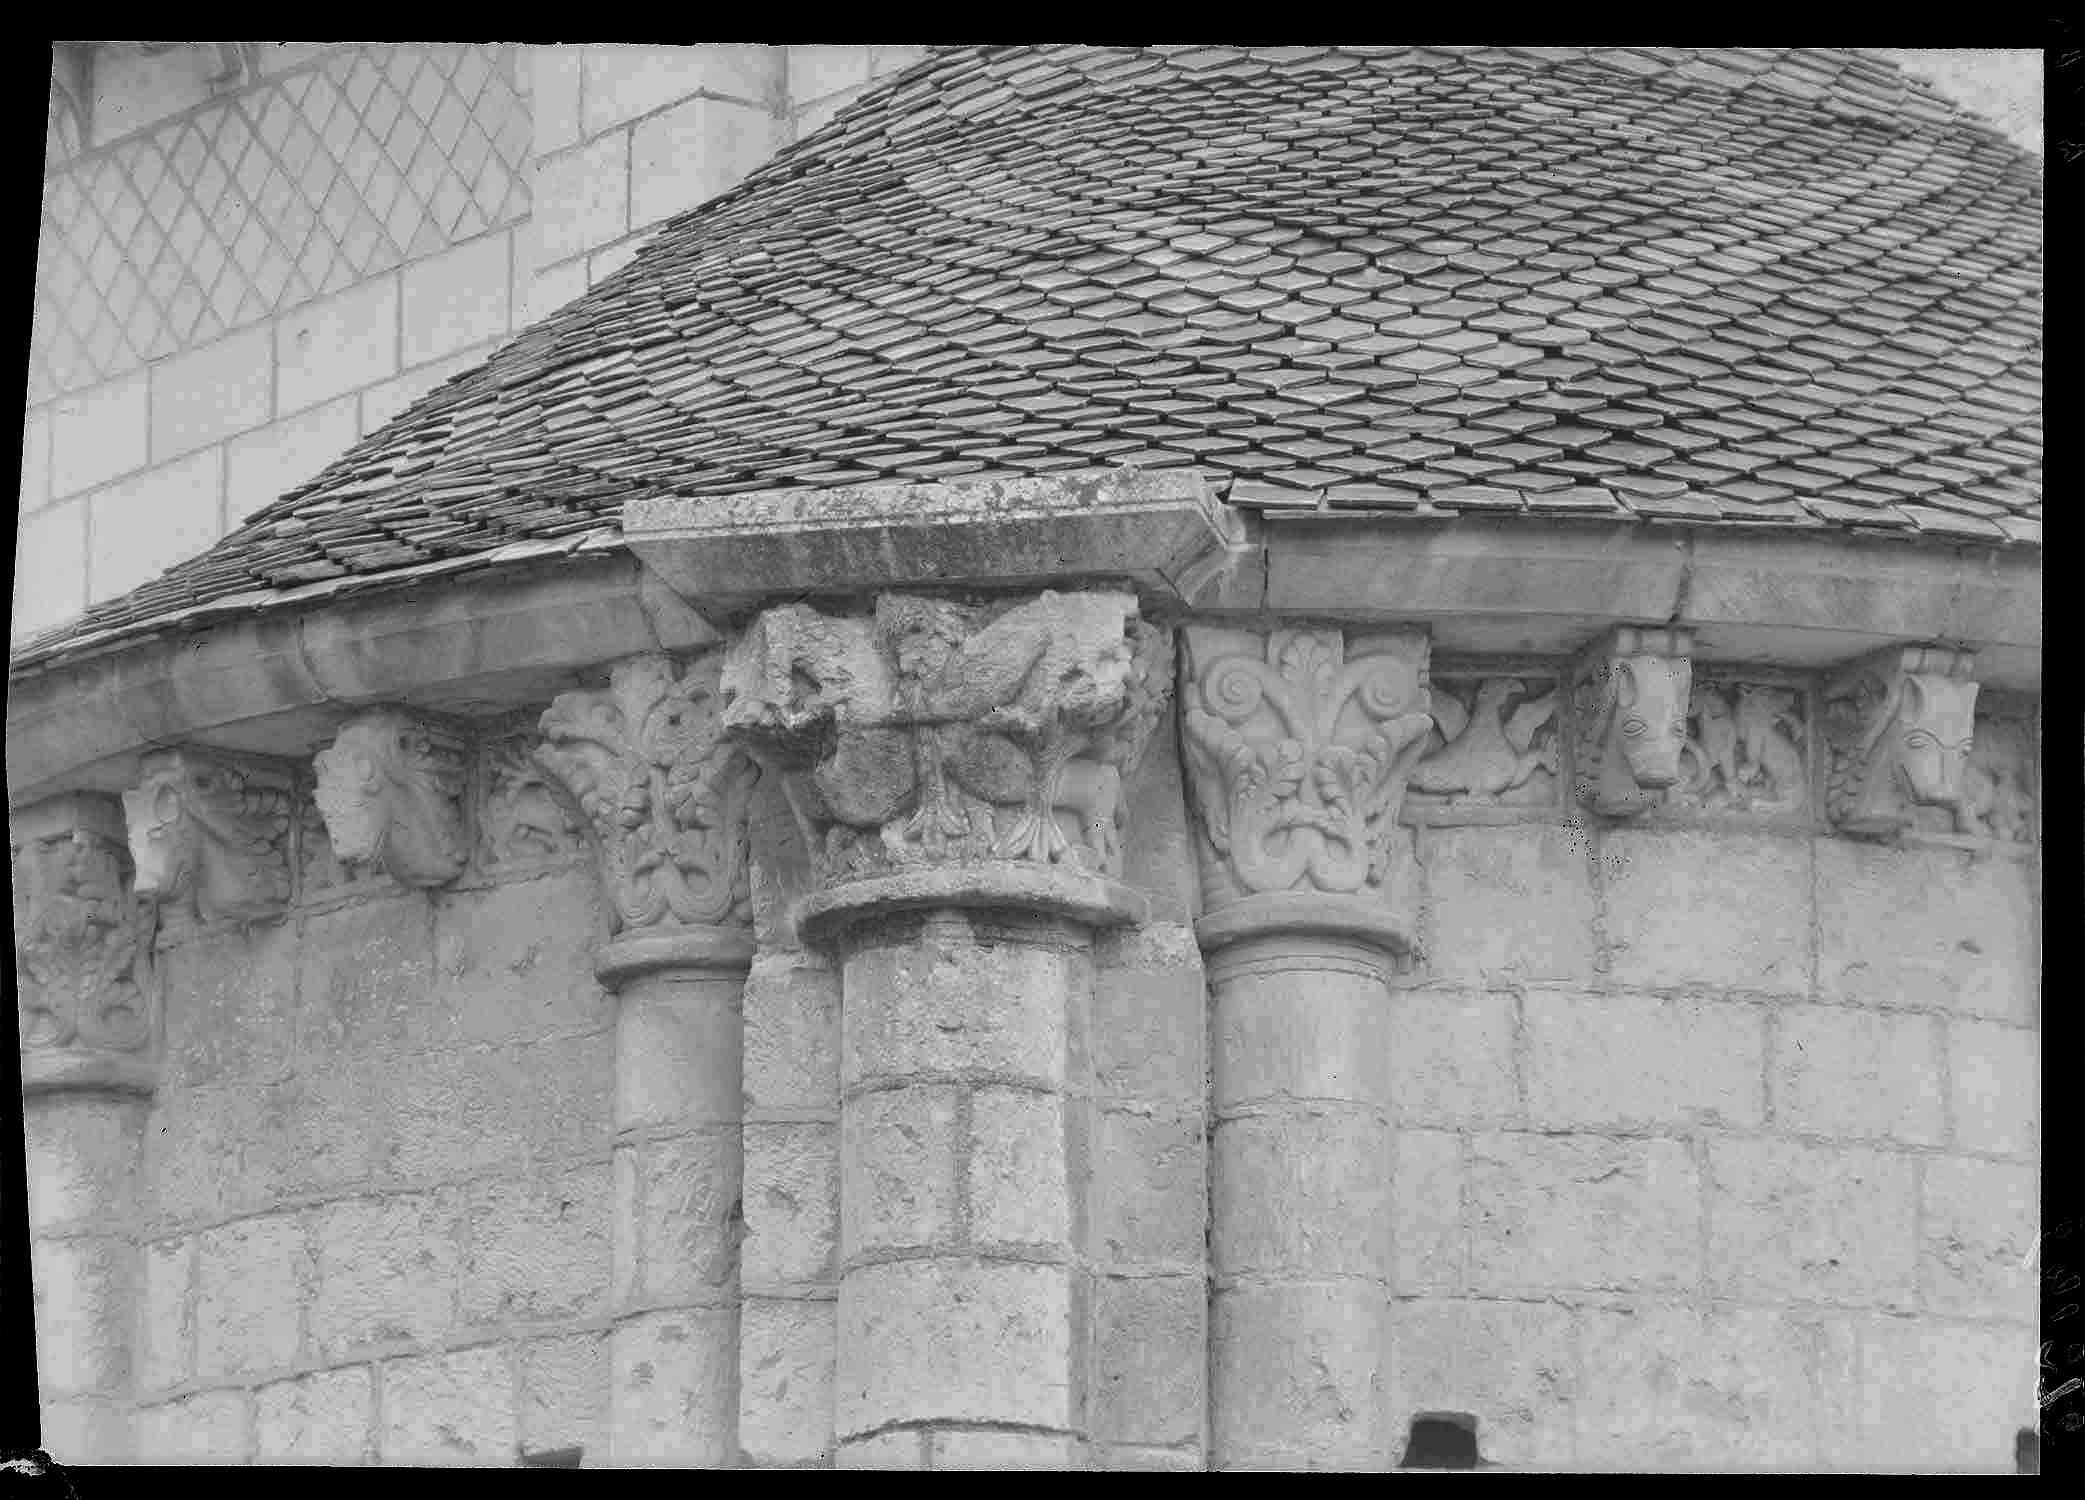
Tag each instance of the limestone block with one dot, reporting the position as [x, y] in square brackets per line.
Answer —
[950, 1006]
[1811, 1223]
[380, 403]
[366, 978]
[785, 1380]
[36, 459]
[1578, 1211]
[903, 1450]
[1736, 1388]
[792, 1034]
[813, 117]
[99, 433]
[677, 1048]
[1632, 1062]
[1451, 1057]
[141, 526]
[85, 1292]
[898, 1169]
[1150, 1016]
[623, 82]
[994, 1449]
[1508, 904]
[461, 297]
[229, 1005]
[689, 1216]
[538, 1247]
[672, 1373]
[1158, 857]
[516, 961]
[1708, 908]
[954, 1341]
[1297, 1376]
[564, 1393]
[211, 1428]
[815, 72]
[1857, 1074]
[456, 1113]
[166, 1341]
[1151, 1355]
[216, 392]
[1148, 1188]
[1019, 1188]
[1994, 1078]
[792, 1198]
[553, 286]
[1932, 928]
[338, 344]
[387, 1271]
[603, 264]
[445, 1409]
[1301, 1031]
[326, 1417]
[87, 1429]
[339, 1122]
[693, 151]
[267, 464]
[1129, 1459]
[1305, 1192]
[1512, 1365]
[50, 577]
[253, 1278]
[220, 1149]
[1944, 1395]
[581, 198]
[1977, 1226]
[554, 84]
[1426, 1228]
[82, 1152]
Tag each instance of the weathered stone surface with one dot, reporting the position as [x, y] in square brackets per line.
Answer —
[1857, 1074]
[252, 1281]
[220, 1149]
[84, 986]
[949, 1006]
[792, 1034]
[366, 978]
[1020, 1190]
[210, 1428]
[1898, 725]
[675, 1379]
[1712, 909]
[1150, 1015]
[955, 1341]
[515, 962]
[898, 1169]
[1297, 1376]
[690, 1221]
[446, 1409]
[390, 787]
[1749, 748]
[82, 1157]
[1306, 1192]
[1582, 1212]
[455, 1113]
[1130, 1459]
[1634, 1062]
[1149, 1188]
[538, 1248]
[1151, 1356]
[903, 1450]
[1158, 858]
[211, 833]
[993, 1449]
[785, 1380]
[677, 1049]
[1302, 1026]
[564, 1394]
[792, 1203]
[1994, 1087]
[231, 1008]
[86, 1287]
[1512, 1365]
[387, 1271]
[1428, 1241]
[1508, 904]
[1792, 1222]
[326, 1417]
[1451, 1057]
[1931, 928]
[166, 1332]
[1977, 1222]
[1944, 1395]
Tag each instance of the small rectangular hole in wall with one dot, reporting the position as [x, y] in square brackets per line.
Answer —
[552, 1458]
[1442, 1440]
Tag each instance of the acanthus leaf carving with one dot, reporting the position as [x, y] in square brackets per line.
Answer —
[390, 789]
[210, 832]
[1900, 725]
[934, 731]
[665, 795]
[1630, 696]
[83, 940]
[1300, 743]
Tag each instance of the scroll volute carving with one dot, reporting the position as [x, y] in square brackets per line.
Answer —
[1300, 743]
[390, 789]
[936, 731]
[1900, 726]
[1630, 695]
[210, 834]
[663, 792]
[83, 941]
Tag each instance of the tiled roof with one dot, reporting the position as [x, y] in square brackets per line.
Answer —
[1745, 285]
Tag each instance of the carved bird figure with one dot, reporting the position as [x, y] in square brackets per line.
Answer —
[1484, 754]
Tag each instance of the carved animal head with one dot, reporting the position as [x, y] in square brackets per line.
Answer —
[1649, 695]
[162, 858]
[1932, 731]
[387, 788]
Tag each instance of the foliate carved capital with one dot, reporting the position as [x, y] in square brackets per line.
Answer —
[1900, 726]
[938, 733]
[83, 941]
[1630, 696]
[663, 792]
[210, 832]
[1299, 744]
[390, 788]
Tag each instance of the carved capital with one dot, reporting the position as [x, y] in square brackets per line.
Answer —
[933, 733]
[390, 789]
[210, 832]
[1299, 744]
[663, 792]
[1630, 696]
[83, 941]
[1900, 726]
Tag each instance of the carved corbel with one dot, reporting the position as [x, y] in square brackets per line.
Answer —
[212, 832]
[1630, 695]
[83, 945]
[1900, 725]
[664, 795]
[390, 788]
[1300, 743]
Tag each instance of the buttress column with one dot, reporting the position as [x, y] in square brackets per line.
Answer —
[956, 769]
[1299, 743]
[665, 798]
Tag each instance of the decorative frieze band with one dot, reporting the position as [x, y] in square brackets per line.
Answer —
[390, 788]
[1900, 725]
[1630, 696]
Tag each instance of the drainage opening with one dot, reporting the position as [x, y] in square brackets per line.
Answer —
[1442, 1440]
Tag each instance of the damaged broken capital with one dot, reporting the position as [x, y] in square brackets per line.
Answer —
[83, 940]
[933, 731]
